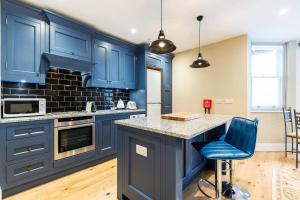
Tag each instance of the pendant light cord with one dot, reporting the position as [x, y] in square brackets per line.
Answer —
[199, 37]
[160, 14]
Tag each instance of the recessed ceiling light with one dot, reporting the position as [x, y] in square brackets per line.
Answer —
[133, 31]
[283, 11]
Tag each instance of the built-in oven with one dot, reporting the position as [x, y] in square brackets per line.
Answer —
[23, 107]
[73, 136]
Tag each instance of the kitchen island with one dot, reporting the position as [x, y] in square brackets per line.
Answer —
[158, 158]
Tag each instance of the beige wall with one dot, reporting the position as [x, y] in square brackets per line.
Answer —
[226, 78]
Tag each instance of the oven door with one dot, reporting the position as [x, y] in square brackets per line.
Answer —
[73, 140]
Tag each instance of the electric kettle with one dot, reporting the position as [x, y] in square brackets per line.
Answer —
[120, 104]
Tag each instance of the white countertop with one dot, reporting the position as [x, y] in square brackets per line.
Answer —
[56, 115]
[180, 129]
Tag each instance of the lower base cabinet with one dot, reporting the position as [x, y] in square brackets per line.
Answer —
[28, 152]
[107, 133]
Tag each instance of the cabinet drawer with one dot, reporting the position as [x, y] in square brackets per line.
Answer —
[27, 171]
[25, 131]
[17, 149]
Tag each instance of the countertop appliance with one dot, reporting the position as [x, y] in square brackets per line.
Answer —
[131, 105]
[73, 136]
[23, 107]
[154, 88]
[120, 104]
[90, 106]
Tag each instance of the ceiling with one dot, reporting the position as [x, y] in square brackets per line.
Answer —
[260, 19]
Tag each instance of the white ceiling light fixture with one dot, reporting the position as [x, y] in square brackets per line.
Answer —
[133, 30]
[283, 11]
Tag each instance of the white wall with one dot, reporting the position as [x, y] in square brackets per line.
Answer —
[291, 57]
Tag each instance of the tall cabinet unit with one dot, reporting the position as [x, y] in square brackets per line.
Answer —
[23, 42]
[167, 87]
[164, 62]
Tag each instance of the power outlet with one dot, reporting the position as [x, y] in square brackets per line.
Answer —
[141, 150]
[219, 101]
[228, 101]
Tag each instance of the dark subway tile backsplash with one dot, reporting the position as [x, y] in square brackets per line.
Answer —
[63, 92]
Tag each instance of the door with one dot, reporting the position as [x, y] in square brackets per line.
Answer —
[24, 46]
[142, 172]
[154, 60]
[70, 43]
[129, 70]
[106, 137]
[115, 69]
[167, 87]
[101, 68]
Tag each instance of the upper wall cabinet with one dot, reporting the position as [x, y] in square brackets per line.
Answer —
[154, 60]
[100, 71]
[129, 70]
[70, 43]
[114, 66]
[23, 42]
[68, 38]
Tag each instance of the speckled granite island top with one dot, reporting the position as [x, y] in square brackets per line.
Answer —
[180, 129]
[56, 115]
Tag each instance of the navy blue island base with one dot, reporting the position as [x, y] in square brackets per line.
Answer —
[158, 166]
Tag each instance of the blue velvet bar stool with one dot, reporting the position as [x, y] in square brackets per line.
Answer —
[238, 144]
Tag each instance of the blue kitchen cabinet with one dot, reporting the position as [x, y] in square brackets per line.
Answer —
[100, 71]
[70, 43]
[116, 67]
[69, 38]
[106, 137]
[26, 151]
[106, 131]
[23, 42]
[165, 63]
[129, 70]
[167, 87]
[154, 60]
[107, 71]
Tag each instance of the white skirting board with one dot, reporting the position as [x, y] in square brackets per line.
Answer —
[272, 146]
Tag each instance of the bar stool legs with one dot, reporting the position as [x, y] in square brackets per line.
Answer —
[231, 191]
[225, 189]
[218, 182]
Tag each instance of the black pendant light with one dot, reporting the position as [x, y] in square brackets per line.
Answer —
[200, 62]
[162, 45]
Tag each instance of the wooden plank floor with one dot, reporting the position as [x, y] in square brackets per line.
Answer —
[99, 182]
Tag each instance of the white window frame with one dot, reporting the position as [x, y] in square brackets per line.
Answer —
[282, 80]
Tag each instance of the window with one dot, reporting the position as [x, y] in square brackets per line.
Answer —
[266, 78]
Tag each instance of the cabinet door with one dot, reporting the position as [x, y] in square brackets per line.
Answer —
[142, 174]
[101, 68]
[24, 46]
[106, 137]
[154, 60]
[115, 67]
[70, 43]
[129, 70]
[167, 87]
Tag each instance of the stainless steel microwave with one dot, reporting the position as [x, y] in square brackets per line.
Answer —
[23, 107]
